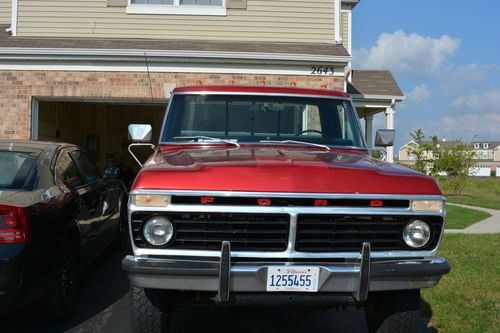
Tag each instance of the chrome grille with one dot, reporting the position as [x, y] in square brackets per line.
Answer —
[207, 231]
[337, 233]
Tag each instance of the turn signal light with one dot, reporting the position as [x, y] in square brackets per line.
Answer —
[151, 200]
[427, 205]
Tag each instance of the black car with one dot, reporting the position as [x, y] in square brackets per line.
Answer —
[57, 213]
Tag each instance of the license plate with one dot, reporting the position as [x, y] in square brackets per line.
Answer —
[292, 279]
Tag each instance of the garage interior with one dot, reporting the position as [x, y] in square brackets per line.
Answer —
[101, 129]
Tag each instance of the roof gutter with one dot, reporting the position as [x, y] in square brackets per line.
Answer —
[13, 19]
[338, 35]
[15, 53]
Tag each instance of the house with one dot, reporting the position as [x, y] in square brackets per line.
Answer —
[81, 71]
[487, 156]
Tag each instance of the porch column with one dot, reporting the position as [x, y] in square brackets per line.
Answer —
[369, 131]
[389, 124]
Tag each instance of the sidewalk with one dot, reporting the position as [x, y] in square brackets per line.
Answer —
[487, 226]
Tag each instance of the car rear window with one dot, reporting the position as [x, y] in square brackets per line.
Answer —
[14, 169]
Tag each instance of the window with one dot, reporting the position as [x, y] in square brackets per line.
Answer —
[486, 145]
[14, 169]
[257, 118]
[92, 174]
[67, 171]
[180, 7]
[477, 145]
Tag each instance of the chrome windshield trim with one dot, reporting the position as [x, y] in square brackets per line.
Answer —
[163, 126]
[204, 92]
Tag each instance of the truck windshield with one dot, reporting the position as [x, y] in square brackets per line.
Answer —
[253, 119]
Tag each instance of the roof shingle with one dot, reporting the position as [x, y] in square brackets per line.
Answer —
[320, 49]
[373, 82]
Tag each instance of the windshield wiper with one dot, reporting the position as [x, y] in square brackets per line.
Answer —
[297, 142]
[201, 138]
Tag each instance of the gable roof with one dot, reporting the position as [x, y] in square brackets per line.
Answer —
[375, 83]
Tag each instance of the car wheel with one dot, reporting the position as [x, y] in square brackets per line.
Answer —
[394, 311]
[61, 297]
[149, 310]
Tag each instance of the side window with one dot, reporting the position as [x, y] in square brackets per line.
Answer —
[67, 171]
[90, 170]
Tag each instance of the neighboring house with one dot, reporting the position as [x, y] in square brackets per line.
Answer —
[81, 71]
[487, 156]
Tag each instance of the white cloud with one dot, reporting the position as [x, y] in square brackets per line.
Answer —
[419, 94]
[475, 114]
[467, 126]
[488, 101]
[461, 77]
[408, 53]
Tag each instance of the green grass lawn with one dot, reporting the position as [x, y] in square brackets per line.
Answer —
[478, 192]
[467, 300]
[461, 218]
[486, 202]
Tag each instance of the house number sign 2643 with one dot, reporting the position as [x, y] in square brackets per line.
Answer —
[322, 70]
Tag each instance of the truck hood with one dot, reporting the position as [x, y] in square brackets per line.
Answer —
[278, 169]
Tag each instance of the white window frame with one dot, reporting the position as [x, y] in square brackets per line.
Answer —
[486, 145]
[177, 9]
[477, 145]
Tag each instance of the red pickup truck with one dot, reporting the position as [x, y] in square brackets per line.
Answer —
[260, 195]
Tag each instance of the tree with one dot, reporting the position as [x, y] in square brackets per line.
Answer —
[456, 160]
[419, 149]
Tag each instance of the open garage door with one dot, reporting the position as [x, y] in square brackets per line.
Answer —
[99, 128]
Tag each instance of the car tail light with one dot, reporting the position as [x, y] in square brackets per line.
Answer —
[14, 225]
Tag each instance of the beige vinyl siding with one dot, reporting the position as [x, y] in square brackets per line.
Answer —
[345, 28]
[5, 11]
[263, 20]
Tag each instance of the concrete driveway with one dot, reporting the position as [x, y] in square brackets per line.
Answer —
[104, 307]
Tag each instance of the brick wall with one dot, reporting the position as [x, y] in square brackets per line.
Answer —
[17, 88]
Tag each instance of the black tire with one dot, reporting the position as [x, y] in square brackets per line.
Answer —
[394, 311]
[60, 301]
[149, 310]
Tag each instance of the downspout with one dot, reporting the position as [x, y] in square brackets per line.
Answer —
[338, 35]
[13, 20]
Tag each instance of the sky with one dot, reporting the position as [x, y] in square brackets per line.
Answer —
[445, 56]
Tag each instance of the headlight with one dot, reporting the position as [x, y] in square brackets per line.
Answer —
[150, 200]
[417, 234]
[427, 205]
[158, 230]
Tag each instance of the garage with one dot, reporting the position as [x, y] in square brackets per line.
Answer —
[99, 128]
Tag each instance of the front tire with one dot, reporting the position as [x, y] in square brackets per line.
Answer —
[149, 311]
[60, 301]
[394, 311]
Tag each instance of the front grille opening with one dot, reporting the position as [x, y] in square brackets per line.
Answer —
[207, 231]
[342, 233]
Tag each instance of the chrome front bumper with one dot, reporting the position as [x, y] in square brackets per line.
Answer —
[223, 277]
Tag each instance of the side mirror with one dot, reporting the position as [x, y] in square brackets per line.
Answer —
[140, 132]
[385, 138]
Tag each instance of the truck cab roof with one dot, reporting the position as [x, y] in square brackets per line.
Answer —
[233, 89]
